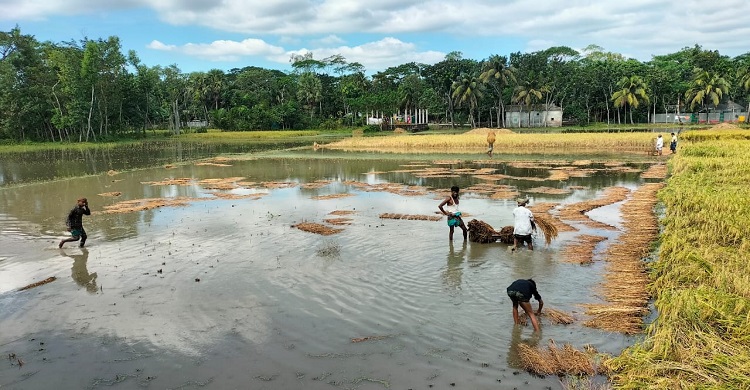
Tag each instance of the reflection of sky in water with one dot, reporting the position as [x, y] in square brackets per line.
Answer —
[265, 281]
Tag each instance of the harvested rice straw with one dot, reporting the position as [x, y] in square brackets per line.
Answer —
[482, 232]
[338, 221]
[224, 195]
[279, 184]
[112, 194]
[553, 316]
[556, 361]
[417, 217]
[656, 171]
[558, 174]
[581, 251]
[37, 284]
[342, 212]
[112, 172]
[491, 177]
[505, 194]
[446, 162]
[624, 286]
[170, 166]
[316, 184]
[368, 338]
[317, 228]
[549, 190]
[548, 228]
[213, 164]
[128, 206]
[331, 196]
[581, 162]
[185, 181]
[545, 210]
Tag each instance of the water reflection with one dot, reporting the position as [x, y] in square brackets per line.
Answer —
[80, 272]
[453, 272]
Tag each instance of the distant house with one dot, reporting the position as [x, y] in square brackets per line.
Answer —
[536, 115]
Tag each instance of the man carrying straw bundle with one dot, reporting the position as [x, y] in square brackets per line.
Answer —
[490, 142]
[523, 224]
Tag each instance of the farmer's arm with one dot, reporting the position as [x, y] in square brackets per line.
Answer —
[541, 302]
[443, 203]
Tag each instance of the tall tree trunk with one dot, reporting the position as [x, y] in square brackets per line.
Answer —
[91, 110]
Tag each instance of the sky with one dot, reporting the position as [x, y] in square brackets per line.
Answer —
[200, 35]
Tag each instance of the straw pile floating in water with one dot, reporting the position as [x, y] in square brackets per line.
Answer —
[555, 317]
[558, 361]
[482, 232]
[317, 228]
[581, 251]
[416, 217]
[37, 284]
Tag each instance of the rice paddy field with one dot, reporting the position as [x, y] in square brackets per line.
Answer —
[327, 265]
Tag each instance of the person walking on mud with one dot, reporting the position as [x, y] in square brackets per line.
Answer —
[520, 293]
[490, 142]
[454, 216]
[523, 225]
[74, 222]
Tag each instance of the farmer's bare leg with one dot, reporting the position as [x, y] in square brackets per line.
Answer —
[450, 234]
[463, 227]
[516, 320]
[72, 239]
[530, 312]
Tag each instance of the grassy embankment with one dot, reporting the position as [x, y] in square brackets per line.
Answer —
[701, 278]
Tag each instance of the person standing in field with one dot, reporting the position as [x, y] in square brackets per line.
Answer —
[659, 144]
[520, 293]
[74, 222]
[673, 144]
[454, 216]
[490, 142]
[523, 224]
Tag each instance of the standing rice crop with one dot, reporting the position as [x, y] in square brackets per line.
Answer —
[701, 278]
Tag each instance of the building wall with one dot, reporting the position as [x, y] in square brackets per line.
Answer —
[521, 119]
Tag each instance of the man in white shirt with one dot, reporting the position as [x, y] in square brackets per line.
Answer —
[523, 225]
[659, 144]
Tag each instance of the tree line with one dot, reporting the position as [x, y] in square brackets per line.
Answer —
[89, 90]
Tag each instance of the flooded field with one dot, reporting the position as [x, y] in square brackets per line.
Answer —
[195, 276]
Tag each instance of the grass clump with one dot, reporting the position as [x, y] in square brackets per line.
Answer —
[701, 280]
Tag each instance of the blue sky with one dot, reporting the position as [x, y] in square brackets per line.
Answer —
[200, 35]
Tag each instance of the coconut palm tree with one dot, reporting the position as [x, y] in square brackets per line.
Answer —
[745, 84]
[631, 92]
[468, 89]
[706, 85]
[497, 73]
[527, 93]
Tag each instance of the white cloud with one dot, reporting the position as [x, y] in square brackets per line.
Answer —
[222, 50]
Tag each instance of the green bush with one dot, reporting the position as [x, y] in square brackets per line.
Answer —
[371, 129]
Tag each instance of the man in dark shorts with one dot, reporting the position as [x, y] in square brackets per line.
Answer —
[74, 222]
[523, 225]
[520, 293]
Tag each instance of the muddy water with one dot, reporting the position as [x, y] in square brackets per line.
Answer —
[225, 293]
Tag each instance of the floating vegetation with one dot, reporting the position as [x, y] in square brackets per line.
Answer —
[559, 361]
[624, 286]
[37, 284]
[332, 196]
[655, 171]
[552, 316]
[129, 206]
[317, 228]
[279, 184]
[558, 174]
[416, 217]
[185, 181]
[548, 190]
[338, 221]
[581, 251]
[227, 183]
[111, 194]
[369, 338]
[342, 212]
[316, 184]
[224, 195]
